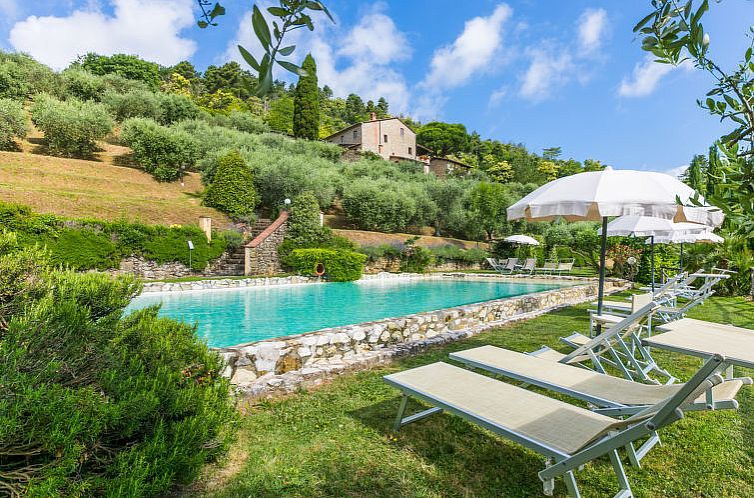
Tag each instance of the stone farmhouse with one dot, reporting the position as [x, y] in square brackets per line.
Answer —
[389, 138]
[393, 140]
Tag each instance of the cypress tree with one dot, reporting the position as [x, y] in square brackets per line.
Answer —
[306, 102]
[694, 176]
[713, 167]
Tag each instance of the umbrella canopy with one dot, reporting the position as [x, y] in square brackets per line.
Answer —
[705, 236]
[523, 240]
[647, 226]
[597, 195]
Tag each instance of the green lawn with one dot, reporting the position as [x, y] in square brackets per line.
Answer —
[337, 441]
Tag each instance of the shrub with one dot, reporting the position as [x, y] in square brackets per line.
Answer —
[30, 76]
[12, 123]
[415, 259]
[378, 205]
[13, 85]
[232, 190]
[303, 225]
[340, 266]
[82, 85]
[120, 406]
[77, 249]
[163, 152]
[174, 108]
[133, 104]
[381, 251]
[71, 128]
[93, 244]
[454, 253]
[127, 66]
[121, 84]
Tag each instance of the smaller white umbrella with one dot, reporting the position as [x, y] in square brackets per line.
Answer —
[522, 240]
[706, 237]
[652, 227]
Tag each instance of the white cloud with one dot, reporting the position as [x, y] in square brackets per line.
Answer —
[546, 71]
[497, 96]
[357, 60]
[148, 28]
[592, 29]
[555, 64]
[453, 65]
[646, 76]
[377, 39]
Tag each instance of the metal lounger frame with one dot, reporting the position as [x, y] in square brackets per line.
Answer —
[558, 463]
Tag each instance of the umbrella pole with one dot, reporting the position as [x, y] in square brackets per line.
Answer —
[680, 261]
[603, 250]
[652, 238]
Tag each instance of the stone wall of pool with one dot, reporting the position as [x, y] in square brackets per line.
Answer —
[283, 365]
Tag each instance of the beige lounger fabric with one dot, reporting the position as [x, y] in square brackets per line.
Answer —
[561, 426]
[735, 343]
[618, 305]
[585, 381]
[700, 325]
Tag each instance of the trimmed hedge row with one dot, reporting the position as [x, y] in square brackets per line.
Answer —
[340, 266]
[94, 244]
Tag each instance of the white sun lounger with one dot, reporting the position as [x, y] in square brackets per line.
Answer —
[609, 395]
[704, 339]
[568, 436]
[618, 346]
[549, 267]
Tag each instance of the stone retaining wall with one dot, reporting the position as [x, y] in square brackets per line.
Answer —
[264, 367]
[394, 265]
[224, 283]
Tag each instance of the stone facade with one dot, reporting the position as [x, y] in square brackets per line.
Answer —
[286, 363]
[389, 138]
[262, 252]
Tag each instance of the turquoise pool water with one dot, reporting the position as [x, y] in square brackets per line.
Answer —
[234, 316]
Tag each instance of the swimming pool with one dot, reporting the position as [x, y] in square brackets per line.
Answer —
[230, 317]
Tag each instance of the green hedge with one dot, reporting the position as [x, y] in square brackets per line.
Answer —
[340, 266]
[94, 244]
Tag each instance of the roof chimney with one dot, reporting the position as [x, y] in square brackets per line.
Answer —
[373, 116]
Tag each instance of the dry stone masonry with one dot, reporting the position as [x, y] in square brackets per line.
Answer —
[276, 366]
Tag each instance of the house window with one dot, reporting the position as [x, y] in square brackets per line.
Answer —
[355, 134]
[410, 153]
[401, 132]
[385, 137]
[342, 138]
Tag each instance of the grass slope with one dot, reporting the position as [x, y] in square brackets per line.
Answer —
[338, 441]
[90, 189]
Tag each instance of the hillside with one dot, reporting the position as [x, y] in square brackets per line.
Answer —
[364, 238]
[98, 189]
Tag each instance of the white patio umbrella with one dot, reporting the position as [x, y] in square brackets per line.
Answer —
[706, 237]
[522, 240]
[652, 227]
[597, 195]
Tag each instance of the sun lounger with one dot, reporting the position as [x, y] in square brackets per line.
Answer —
[528, 266]
[564, 267]
[704, 339]
[548, 268]
[568, 436]
[609, 395]
[494, 265]
[618, 346]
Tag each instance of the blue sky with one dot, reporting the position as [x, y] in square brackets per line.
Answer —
[541, 73]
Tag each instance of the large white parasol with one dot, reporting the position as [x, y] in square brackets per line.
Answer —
[522, 240]
[597, 195]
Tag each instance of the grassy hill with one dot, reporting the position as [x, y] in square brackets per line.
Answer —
[98, 188]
